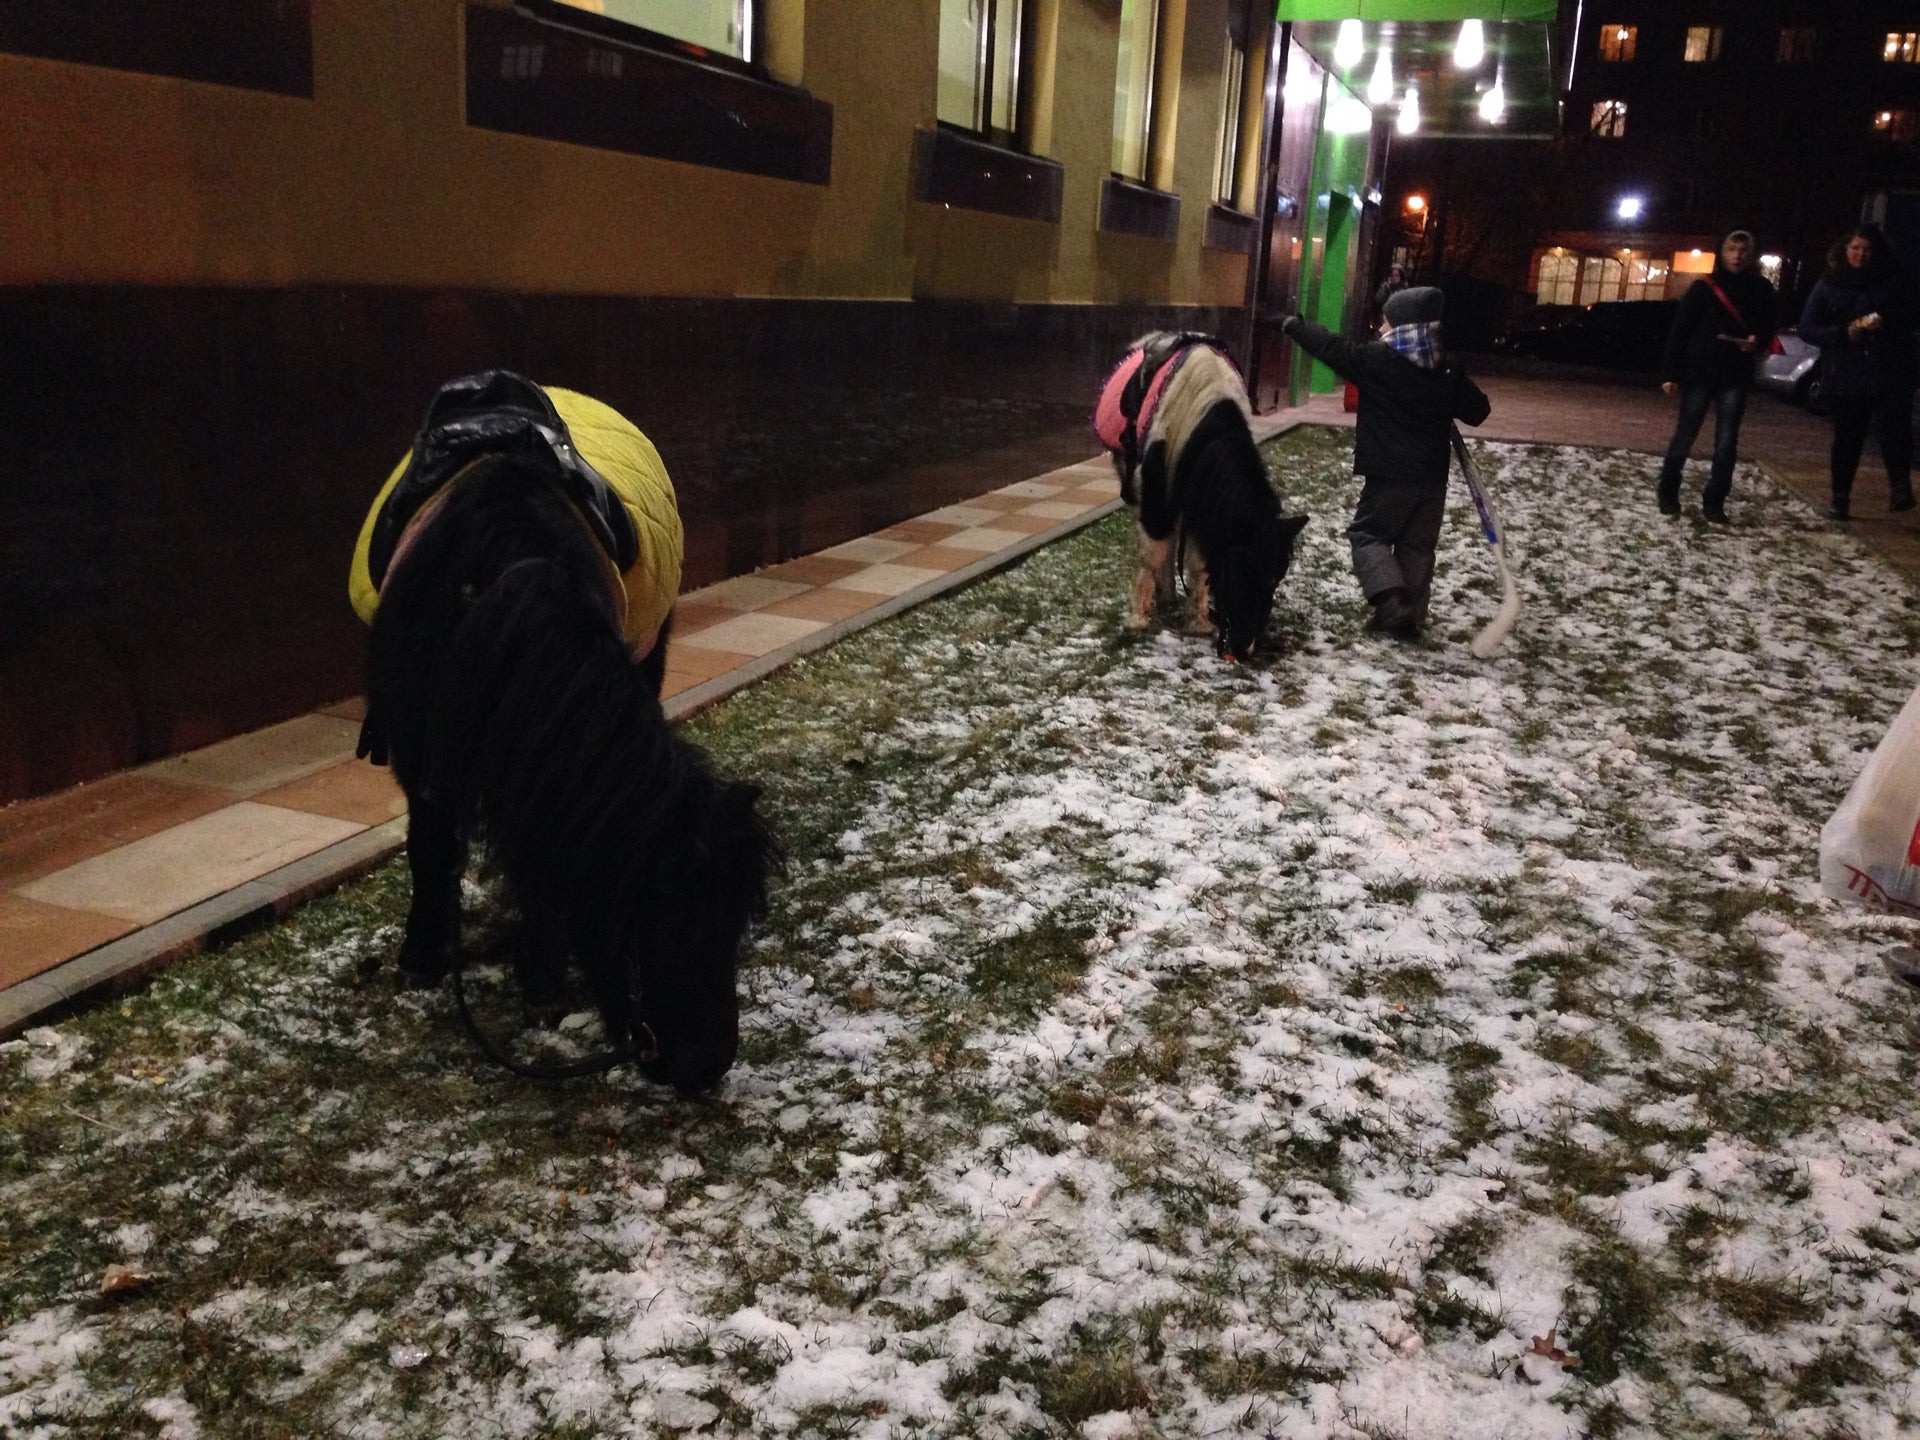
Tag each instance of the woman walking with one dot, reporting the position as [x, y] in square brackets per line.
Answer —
[1724, 321]
[1861, 315]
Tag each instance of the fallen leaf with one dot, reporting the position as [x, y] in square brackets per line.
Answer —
[120, 1279]
[1543, 1345]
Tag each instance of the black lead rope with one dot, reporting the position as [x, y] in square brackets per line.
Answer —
[600, 1064]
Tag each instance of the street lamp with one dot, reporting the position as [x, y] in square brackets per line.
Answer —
[1416, 203]
[1630, 207]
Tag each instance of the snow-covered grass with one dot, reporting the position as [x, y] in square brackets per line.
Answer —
[1141, 1045]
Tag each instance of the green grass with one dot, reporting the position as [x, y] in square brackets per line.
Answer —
[1292, 1014]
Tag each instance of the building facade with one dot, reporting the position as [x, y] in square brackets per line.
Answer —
[844, 261]
[1685, 119]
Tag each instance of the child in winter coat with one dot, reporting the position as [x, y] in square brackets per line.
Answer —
[1410, 395]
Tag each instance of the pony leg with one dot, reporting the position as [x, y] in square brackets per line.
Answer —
[437, 856]
[1201, 621]
[540, 963]
[607, 982]
[1147, 582]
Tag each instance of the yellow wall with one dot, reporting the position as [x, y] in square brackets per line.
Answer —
[119, 177]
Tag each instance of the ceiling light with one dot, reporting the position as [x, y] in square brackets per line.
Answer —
[1409, 112]
[1493, 104]
[1380, 87]
[1471, 48]
[1348, 49]
[1630, 208]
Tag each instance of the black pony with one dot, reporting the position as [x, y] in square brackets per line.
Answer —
[503, 690]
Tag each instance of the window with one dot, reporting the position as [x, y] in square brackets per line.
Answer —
[1797, 44]
[1903, 47]
[980, 65]
[1610, 118]
[1897, 127]
[1133, 87]
[1559, 274]
[1645, 280]
[551, 71]
[1695, 120]
[1770, 268]
[1233, 91]
[1617, 41]
[1703, 43]
[262, 45]
[1600, 279]
[723, 26]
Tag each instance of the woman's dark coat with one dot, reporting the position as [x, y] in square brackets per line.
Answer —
[1878, 363]
[1696, 355]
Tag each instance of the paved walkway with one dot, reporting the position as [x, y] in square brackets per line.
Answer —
[103, 883]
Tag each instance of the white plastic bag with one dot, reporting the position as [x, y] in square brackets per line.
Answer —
[1870, 849]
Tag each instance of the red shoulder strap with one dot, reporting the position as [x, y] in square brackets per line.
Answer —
[1732, 309]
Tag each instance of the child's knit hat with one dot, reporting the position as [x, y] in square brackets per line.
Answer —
[1421, 305]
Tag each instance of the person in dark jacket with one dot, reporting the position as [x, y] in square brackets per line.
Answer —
[1410, 395]
[1862, 316]
[1395, 282]
[1724, 322]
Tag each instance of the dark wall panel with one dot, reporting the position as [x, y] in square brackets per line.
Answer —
[184, 470]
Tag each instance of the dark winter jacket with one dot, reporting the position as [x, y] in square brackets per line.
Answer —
[1406, 413]
[1697, 354]
[1879, 362]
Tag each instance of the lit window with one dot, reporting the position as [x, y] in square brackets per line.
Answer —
[1559, 276]
[1600, 279]
[1133, 87]
[979, 65]
[1903, 47]
[1897, 127]
[1617, 41]
[1646, 279]
[1770, 268]
[1233, 92]
[1797, 44]
[722, 26]
[1703, 43]
[1610, 118]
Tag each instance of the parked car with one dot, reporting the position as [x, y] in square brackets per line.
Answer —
[1794, 371]
[1616, 334]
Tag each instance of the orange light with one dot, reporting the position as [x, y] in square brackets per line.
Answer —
[1416, 203]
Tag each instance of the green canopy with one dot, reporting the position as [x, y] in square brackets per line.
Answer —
[1418, 9]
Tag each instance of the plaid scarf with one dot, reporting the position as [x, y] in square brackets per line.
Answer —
[1419, 342]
